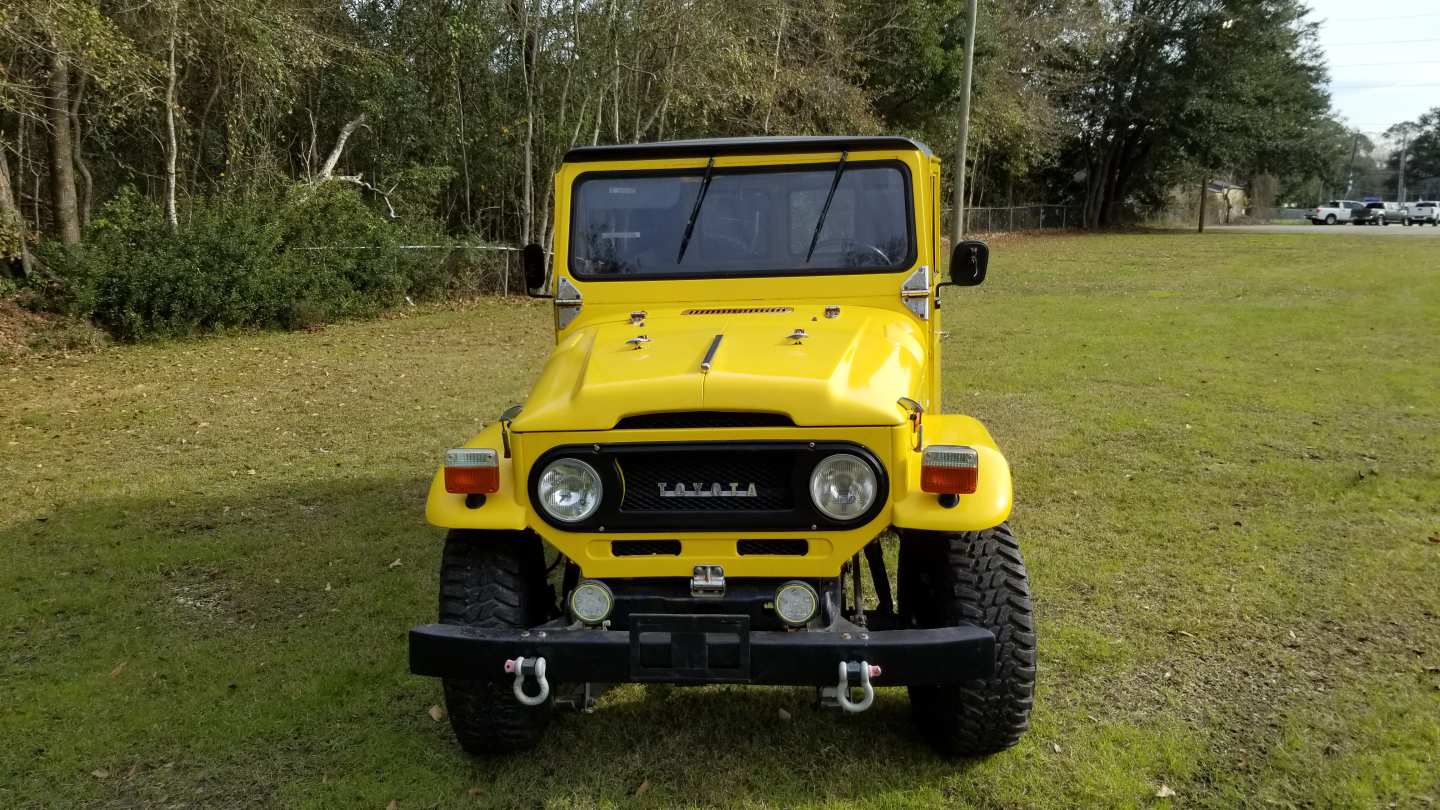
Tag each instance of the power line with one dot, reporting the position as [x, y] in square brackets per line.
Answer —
[1368, 19]
[1380, 42]
[1389, 64]
[1380, 85]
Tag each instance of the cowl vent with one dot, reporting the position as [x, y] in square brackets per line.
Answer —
[740, 311]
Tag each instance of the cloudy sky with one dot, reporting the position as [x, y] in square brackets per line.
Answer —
[1384, 58]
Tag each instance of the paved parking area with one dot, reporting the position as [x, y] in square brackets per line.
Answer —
[1367, 230]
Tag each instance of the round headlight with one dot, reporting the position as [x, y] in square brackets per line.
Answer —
[569, 490]
[591, 601]
[843, 486]
[796, 602]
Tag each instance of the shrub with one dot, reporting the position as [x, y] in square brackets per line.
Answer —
[309, 255]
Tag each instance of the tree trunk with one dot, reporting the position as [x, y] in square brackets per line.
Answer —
[62, 155]
[172, 220]
[87, 181]
[774, 67]
[12, 222]
[1204, 194]
[328, 168]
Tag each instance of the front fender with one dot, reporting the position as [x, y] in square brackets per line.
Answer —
[989, 505]
[501, 510]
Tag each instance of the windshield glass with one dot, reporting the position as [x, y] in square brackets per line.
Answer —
[750, 222]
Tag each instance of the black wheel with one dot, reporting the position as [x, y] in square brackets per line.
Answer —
[495, 580]
[1329, 219]
[977, 578]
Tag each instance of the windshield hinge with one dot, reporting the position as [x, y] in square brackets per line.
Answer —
[915, 292]
[567, 303]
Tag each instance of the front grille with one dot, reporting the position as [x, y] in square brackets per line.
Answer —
[773, 548]
[645, 548]
[703, 419]
[708, 482]
[706, 486]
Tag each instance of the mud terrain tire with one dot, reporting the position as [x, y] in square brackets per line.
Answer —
[493, 580]
[976, 578]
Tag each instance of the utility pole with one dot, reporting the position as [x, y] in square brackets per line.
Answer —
[957, 207]
[1350, 172]
[1404, 145]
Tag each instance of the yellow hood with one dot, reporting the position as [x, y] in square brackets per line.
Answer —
[847, 370]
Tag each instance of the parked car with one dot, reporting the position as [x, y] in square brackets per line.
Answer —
[1371, 214]
[1424, 212]
[1335, 211]
[1378, 213]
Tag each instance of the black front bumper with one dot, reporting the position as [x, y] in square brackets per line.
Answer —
[705, 648]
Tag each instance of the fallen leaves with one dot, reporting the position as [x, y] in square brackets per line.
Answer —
[644, 786]
[436, 713]
[784, 715]
[100, 773]
[1164, 792]
[396, 564]
[119, 668]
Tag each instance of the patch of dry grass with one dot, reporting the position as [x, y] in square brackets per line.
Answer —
[1225, 451]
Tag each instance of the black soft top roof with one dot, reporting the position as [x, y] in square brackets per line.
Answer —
[754, 145]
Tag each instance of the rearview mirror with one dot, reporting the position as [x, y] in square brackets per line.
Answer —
[532, 260]
[968, 262]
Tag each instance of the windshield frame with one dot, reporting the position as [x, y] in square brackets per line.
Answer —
[905, 263]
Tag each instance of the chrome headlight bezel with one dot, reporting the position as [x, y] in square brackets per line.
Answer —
[586, 471]
[860, 469]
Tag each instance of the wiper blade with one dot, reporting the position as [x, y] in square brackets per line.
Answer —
[834, 181]
[695, 211]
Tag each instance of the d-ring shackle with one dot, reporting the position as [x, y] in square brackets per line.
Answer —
[842, 690]
[537, 668]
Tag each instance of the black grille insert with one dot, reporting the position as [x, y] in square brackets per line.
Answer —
[773, 548]
[645, 548]
[707, 486]
[754, 481]
[703, 419]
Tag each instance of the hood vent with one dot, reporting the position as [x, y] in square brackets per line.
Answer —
[703, 419]
[740, 311]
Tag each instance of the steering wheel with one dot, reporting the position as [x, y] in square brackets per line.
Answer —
[735, 243]
[865, 250]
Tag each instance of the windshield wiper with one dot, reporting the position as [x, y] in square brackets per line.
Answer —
[695, 211]
[834, 181]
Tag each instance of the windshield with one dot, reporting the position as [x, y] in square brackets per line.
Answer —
[749, 222]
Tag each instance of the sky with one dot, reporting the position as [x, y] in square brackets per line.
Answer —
[1384, 59]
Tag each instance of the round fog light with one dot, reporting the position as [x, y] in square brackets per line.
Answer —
[591, 601]
[796, 602]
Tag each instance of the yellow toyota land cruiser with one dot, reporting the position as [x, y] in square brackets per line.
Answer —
[743, 399]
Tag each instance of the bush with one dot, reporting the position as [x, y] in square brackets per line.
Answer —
[307, 256]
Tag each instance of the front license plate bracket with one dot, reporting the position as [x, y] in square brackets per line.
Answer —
[689, 648]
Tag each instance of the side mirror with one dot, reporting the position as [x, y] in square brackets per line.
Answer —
[968, 262]
[532, 260]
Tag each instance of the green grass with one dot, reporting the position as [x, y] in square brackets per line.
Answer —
[1225, 450]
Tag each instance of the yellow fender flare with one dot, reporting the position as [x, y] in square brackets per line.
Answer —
[990, 504]
[502, 510]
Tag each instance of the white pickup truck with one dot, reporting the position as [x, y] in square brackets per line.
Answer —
[1334, 212]
[1423, 212]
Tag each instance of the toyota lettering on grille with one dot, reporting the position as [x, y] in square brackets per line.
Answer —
[715, 490]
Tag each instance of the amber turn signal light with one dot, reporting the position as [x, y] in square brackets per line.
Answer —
[472, 471]
[949, 469]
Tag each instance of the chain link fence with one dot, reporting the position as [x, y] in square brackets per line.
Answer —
[1017, 218]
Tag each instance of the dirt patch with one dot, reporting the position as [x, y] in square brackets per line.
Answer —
[24, 332]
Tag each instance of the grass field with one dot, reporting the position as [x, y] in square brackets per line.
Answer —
[1227, 461]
